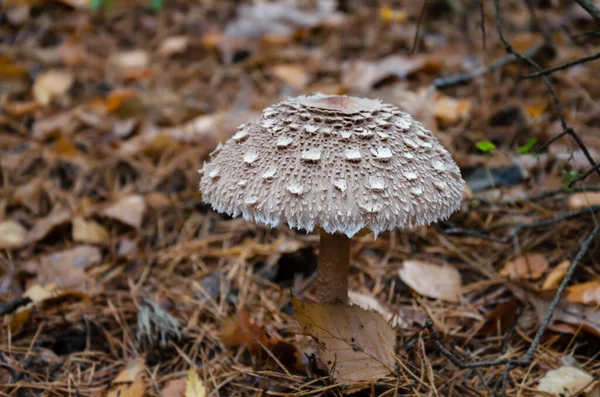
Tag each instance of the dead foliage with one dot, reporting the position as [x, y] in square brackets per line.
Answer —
[116, 280]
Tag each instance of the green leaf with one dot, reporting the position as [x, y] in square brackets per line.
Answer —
[527, 147]
[485, 146]
[570, 176]
[96, 4]
[157, 5]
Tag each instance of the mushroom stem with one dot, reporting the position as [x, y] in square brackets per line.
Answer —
[333, 268]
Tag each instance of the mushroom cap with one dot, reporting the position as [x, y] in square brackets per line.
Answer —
[338, 162]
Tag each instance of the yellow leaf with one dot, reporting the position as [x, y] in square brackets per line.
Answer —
[357, 345]
[132, 372]
[88, 231]
[536, 110]
[431, 280]
[389, 15]
[193, 385]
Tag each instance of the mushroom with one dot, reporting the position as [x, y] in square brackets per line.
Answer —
[339, 163]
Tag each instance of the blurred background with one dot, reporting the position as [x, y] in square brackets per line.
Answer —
[108, 109]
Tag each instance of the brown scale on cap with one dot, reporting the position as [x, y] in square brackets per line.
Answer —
[338, 162]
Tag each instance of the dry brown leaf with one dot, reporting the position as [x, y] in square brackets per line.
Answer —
[44, 226]
[404, 318]
[135, 389]
[567, 382]
[555, 275]
[65, 268]
[10, 71]
[431, 280]
[293, 75]
[193, 385]
[12, 234]
[128, 210]
[135, 368]
[529, 266]
[131, 64]
[88, 231]
[173, 45]
[174, 388]
[583, 200]
[449, 111]
[586, 293]
[363, 75]
[29, 195]
[51, 84]
[569, 313]
[356, 343]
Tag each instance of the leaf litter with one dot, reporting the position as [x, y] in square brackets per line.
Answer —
[106, 246]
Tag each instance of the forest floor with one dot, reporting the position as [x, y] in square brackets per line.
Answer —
[116, 279]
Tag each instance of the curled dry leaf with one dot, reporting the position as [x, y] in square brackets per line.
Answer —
[194, 387]
[135, 389]
[357, 345]
[431, 280]
[586, 293]
[129, 374]
[51, 84]
[12, 234]
[529, 266]
[567, 382]
[173, 45]
[293, 75]
[239, 330]
[583, 200]
[65, 268]
[556, 275]
[44, 226]
[128, 210]
[363, 75]
[449, 111]
[404, 318]
[89, 232]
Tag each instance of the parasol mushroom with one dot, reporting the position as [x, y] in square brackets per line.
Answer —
[339, 163]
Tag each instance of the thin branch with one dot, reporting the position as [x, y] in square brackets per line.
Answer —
[590, 8]
[567, 65]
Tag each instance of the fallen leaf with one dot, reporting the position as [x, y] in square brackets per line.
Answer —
[12, 234]
[174, 388]
[404, 318]
[556, 275]
[128, 210]
[129, 374]
[239, 330]
[357, 344]
[173, 45]
[65, 268]
[193, 385]
[135, 389]
[29, 195]
[88, 231]
[449, 111]
[51, 84]
[390, 15]
[293, 75]
[566, 312]
[431, 280]
[529, 266]
[501, 318]
[131, 64]
[363, 75]
[117, 97]
[10, 71]
[583, 200]
[567, 382]
[44, 226]
[586, 293]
